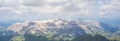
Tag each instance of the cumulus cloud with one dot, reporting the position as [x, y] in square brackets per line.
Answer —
[48, 9]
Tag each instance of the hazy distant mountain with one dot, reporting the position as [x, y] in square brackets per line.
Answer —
[0, 27]
[1, 31]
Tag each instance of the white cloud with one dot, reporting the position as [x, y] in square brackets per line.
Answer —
[56, 0]
[110, 9]
[10, 3]
[33, 2]
[37, 9]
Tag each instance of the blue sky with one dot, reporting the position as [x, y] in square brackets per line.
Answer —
[51, 9]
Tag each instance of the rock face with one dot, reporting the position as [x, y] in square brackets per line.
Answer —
[93, 27]
[57, 27]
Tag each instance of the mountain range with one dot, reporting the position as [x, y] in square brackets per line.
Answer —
[58, 28]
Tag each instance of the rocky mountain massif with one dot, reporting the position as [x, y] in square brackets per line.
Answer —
[58, 29]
